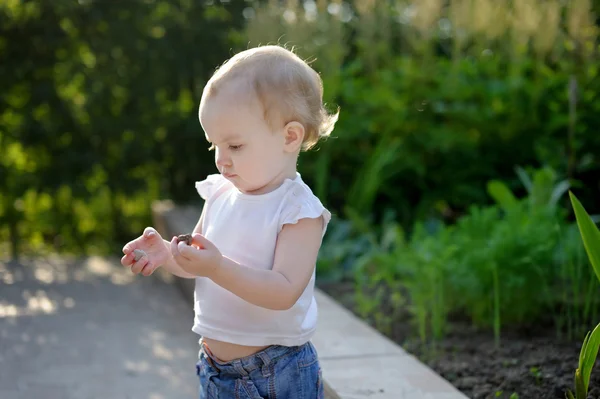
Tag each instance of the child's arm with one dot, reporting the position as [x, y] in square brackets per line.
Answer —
[277, 289]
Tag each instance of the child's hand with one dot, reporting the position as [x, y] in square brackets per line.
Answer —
[200, 259]
[155, 253]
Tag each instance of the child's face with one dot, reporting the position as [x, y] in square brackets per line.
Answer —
[247, 151]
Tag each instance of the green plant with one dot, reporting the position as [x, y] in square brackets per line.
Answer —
[505, 270]
[589, 349]
[426, 88]
[498, 394]
[342, 246]
[544, 188]
[498, 264]
[423, 266]
[536, 373]
[437, 80]
[578, 289]
[378, 288]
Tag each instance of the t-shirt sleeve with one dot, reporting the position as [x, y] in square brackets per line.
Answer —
[301, 203]
[207, 187]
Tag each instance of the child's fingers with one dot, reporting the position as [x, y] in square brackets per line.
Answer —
[132, 246]
[182, 248]
[139, 265]
[150, 232]
[127, 259]
[201, 241]
[148, 269]
[174, 248]
[128, 248]
[187, 251]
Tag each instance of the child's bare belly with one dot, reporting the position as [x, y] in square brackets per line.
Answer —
[225, 351]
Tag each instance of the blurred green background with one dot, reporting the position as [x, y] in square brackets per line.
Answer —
[463, 123]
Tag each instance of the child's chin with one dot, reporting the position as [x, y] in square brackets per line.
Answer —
[246, 189]
[242, 187]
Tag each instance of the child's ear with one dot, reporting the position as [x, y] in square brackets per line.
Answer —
[294, 136]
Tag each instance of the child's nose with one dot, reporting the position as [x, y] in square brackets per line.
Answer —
[222, 158]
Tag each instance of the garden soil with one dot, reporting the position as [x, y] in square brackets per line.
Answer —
[527, 364]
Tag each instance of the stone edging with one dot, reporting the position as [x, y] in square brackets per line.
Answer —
[357, 360]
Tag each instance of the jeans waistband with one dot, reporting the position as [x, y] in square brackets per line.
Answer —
[263, 360]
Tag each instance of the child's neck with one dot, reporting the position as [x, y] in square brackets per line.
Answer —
[276, 182]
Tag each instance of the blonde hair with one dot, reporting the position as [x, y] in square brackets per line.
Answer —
[287, 87]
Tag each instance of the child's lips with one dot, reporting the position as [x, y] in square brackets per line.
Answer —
[229, 175]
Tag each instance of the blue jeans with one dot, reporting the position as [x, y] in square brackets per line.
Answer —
[277, 372]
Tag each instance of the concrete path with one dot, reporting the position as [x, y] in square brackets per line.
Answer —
[89, 329]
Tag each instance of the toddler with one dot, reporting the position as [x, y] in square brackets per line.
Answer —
[255, 245]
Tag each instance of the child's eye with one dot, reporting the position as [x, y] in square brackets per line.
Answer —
[235, 147]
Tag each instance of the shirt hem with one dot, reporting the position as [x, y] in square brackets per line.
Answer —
[243, 339]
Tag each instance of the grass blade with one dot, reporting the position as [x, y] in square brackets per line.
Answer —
[374, 174]
[589, 357]
[589, 233]
[525, 179]
[582, 352]
[501, 194]
[580, 390]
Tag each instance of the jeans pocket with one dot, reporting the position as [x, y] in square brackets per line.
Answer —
[311, 376]
[308, 356]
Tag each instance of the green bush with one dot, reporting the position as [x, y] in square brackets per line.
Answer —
[511, 263]
[492, 266]
[437, 98]
[99, 115]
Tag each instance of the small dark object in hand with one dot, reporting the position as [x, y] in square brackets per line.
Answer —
[185, 237]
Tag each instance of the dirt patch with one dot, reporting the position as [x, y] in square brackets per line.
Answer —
[531, 364]
[530, 367]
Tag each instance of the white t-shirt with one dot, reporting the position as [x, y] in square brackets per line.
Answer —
[244, 228]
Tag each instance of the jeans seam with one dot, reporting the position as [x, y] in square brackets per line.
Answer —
[271, 381]
[319, 383]
[239, 388]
